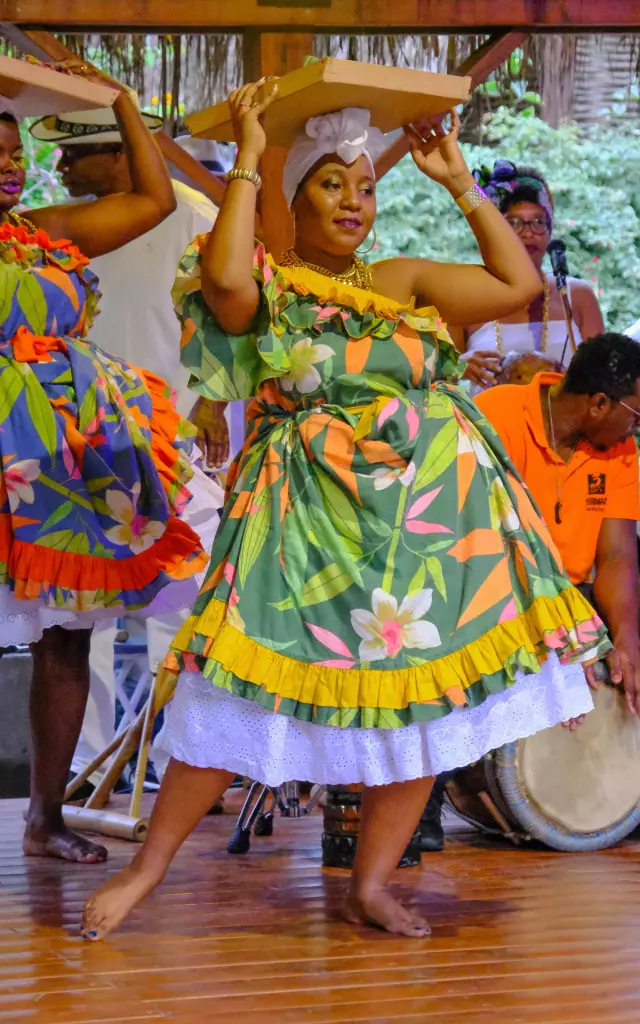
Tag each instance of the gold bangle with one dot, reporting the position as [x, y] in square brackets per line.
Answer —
[471, 199]
[241, 173]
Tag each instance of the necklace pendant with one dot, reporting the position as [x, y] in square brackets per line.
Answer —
[557, 510]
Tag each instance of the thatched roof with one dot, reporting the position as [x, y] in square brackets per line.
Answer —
[577, 76]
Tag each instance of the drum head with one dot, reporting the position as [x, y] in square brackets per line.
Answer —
[577, 790]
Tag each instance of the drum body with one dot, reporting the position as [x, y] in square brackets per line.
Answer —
[341, 823]
[573, 791]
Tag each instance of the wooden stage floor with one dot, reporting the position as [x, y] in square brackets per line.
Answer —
[518, 936]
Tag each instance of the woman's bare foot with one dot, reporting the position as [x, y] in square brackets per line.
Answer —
[113, 901]
[61, 842]
[381, 909]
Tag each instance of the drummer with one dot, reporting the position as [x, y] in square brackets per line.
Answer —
[571, 439]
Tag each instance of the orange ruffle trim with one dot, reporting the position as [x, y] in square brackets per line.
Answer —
[177, 553]
[21, 235]
[174, 471]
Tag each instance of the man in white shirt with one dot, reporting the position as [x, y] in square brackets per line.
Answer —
[136, 322]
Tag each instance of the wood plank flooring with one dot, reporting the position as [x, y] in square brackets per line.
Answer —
[519, 936]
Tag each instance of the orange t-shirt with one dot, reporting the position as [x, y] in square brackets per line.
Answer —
[594, 485]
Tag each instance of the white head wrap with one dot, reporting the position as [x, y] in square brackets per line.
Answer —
[347, 133]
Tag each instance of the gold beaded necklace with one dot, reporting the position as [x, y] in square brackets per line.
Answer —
[21, 222]
[546, 295]
[358, 275]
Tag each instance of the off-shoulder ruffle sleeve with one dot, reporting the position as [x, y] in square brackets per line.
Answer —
[224, 367]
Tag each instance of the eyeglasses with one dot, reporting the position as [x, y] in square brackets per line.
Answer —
[538, 225]
[636, 412]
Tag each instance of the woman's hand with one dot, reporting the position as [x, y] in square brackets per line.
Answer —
[246, 117]
[437, 154]
[213, 432]
[482, 368]
[83, 69]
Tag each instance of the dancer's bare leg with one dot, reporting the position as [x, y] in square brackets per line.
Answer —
[185, 796]
[390, 816]
[59, 692]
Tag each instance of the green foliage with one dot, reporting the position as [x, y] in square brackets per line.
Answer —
[595, 180]
[43, 186]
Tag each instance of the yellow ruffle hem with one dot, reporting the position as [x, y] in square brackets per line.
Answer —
[533, 633]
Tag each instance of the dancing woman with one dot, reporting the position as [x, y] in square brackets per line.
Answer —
[383, 601]
[513, 348]
[94, 460]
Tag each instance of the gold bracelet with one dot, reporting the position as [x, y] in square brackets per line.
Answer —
[471, 199]
[243, 174]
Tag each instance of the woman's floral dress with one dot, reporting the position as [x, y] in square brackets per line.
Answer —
[379, 563]
[94, 458]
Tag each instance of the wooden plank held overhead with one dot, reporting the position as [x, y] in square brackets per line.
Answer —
[478, 65]
[46, 47]
[394, 96]
[322, 16]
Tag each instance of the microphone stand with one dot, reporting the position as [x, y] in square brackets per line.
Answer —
[563, 292]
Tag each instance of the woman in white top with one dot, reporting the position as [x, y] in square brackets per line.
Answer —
[534, 338]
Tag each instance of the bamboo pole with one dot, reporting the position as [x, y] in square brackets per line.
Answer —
[97, 762]
[143, 753]
[106, 823]
[127, 748]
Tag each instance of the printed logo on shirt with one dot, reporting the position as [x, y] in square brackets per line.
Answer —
[596, 487]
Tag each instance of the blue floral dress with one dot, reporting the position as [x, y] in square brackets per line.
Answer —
[94, 458]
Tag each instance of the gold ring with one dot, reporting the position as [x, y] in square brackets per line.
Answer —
[84, 67]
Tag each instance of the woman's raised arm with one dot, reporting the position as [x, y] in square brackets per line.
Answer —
[104, 224]
[228, 285]
[466, 294]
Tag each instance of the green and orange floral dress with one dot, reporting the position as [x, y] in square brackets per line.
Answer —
[383, 599]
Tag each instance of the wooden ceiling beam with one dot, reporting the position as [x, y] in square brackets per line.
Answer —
[478, 65]
[274, 53]
[327, 15]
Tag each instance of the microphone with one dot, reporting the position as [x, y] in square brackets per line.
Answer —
[557, 251]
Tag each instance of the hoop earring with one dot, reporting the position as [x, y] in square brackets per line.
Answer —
[363, 252]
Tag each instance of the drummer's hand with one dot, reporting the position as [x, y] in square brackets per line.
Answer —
[624, 666]
[482, 368]
[246, 117]
[590, 675]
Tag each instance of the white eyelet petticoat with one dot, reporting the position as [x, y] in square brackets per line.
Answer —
[209, 728]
